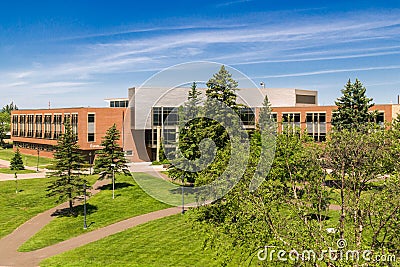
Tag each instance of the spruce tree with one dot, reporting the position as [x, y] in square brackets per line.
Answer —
[16, 162]
[190, 132]
[111, 157]
[221, 95]
[222, 87]
[67, 165]
[353, 107]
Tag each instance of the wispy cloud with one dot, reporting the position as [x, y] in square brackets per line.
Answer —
[315, 39]
[232, 3]
[327, 72]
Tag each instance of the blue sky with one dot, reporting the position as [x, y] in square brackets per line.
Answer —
[75, 53]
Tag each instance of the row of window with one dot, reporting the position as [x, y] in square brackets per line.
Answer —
[119, 103]
[50, 126]
[169, 116]
[315, 124]
[43, 126]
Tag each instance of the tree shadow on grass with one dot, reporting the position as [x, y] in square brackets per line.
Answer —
[117, 186]
[314, 216]
[78, 210]
[186, 191]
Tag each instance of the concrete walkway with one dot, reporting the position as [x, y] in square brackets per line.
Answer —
[8, 177]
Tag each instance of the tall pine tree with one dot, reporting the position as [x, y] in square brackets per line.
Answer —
[111, 157]
[353, 107]
[222, 87]
[67, 165]
[221, 93]
[190, 132]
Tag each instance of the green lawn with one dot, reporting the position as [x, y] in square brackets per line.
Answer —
[31, 199]
[162, 190]
[168, 241]
[29, 160]
[16, 209]
[8, 171]
[130, 201]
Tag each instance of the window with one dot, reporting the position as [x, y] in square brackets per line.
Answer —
[30, 125]
[119, 103]
[247, 116]
[90, 137]
[316, 125]
[290, 119]
[157, 116]
[305, 99]
[15, 125]
[169, 136]
[22, 125]
[38, 126]
[74, 124]
[165, 115]
[380, 118]
[57, 122]
[170, 116]
[47, 126]
[91, 117]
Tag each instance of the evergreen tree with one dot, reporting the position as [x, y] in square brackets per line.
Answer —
[110, 155]
[221, 93]
[222, 87]
[16, 162]
[67, 166]
[190, 130]
[353, 107]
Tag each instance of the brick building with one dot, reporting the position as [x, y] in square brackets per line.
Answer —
[141, 119]
[36, 131]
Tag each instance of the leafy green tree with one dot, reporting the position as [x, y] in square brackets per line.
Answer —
[111, 157]
[353, 107]
[364, 166]
[4, 126]
[16, 162]
[67, 168]
[288, 210]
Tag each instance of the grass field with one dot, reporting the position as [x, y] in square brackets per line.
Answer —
[16, 208]
[29, 160]
[162, 190]
[8, 171]
[168, 241]
[130, 201]
[31, 199]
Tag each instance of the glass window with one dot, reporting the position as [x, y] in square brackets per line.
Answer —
[90, 137]
[91, 117]
[157, 116]
[247, 116]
